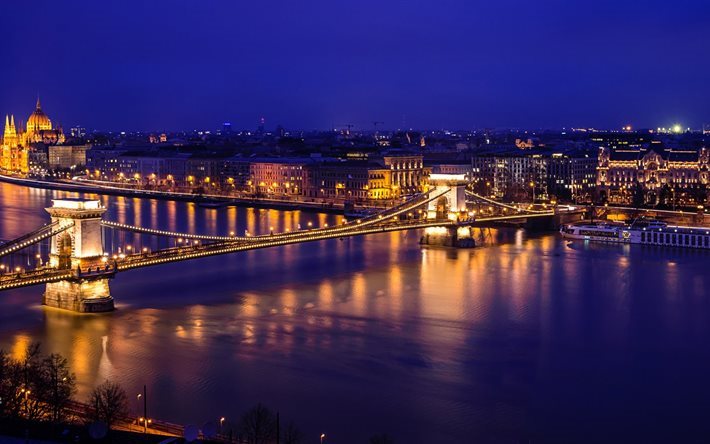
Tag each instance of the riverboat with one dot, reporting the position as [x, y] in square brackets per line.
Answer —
[641, 231]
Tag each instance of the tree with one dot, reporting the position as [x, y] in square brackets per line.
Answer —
[109, 402]
[20, 384]
[292, 435]
[31, 392]
[639, 196]
[7, 372]
[60, 385]
[381, 439]
[258, 425]
[35, 387]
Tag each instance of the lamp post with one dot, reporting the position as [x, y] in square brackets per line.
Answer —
[145, 408]
[322, 438]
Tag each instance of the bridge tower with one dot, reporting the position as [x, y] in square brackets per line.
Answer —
[448, 207]
[453, 202]
[79, 249]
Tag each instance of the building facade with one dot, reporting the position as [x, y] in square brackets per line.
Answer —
[17, 144]
[652, 174]
[356, 181]
[572, 177]
[511, 177]
[409, 176]
[14, 157]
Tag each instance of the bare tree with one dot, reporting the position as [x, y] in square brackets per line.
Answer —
[258, 425]
[19, 384]
[35, 387]
[292, 435]
[30, 387]
[60, 385]
[109, 402]
[8, 406]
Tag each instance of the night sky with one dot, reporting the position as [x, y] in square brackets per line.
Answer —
[170, 65]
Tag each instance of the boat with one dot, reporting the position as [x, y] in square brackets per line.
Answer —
[350, 212]
[359, 214]
[213, 204]
[640, 231]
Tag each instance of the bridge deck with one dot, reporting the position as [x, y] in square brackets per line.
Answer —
[387, 221]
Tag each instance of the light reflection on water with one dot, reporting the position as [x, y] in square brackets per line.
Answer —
[530, 338]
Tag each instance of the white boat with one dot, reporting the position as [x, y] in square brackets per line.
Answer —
[642, 231]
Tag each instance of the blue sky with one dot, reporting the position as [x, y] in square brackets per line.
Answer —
[150, 65]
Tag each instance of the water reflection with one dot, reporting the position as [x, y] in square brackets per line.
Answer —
[371, 334]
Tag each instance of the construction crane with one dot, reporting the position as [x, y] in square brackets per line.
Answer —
[375, 123]
[349, 126]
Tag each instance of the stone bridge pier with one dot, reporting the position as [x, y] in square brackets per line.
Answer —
[79, 249]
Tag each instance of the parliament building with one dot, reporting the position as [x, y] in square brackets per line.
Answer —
[17, 142]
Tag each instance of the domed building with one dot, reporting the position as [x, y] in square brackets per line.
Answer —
[39, 128]
[18, 148]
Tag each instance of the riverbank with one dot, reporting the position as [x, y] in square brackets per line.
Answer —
[273, 204]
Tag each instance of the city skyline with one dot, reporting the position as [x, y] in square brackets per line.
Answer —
[460, 65]
[371, 127]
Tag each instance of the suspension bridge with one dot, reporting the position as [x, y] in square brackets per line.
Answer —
[77, 273]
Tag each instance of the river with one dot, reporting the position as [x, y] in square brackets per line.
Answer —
[525, 339]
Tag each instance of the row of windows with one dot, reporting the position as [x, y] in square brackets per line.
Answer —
[692, 240]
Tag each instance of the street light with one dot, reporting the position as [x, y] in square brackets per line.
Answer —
[144, 419]
[322, 437]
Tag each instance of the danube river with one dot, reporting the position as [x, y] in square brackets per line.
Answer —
[526, 339]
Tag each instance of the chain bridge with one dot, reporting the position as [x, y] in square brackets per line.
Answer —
[77, 274]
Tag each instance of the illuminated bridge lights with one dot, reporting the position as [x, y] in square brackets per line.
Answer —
[500, 204]
[396, 211]
[214, 249]
[387, 221]
[36, 236]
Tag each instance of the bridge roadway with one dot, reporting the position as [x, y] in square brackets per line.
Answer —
[221, 245]
[386, 221]
[196, 251]
[405, 207]
[45, 275]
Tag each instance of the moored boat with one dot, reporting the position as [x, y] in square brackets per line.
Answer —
[642, 231]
